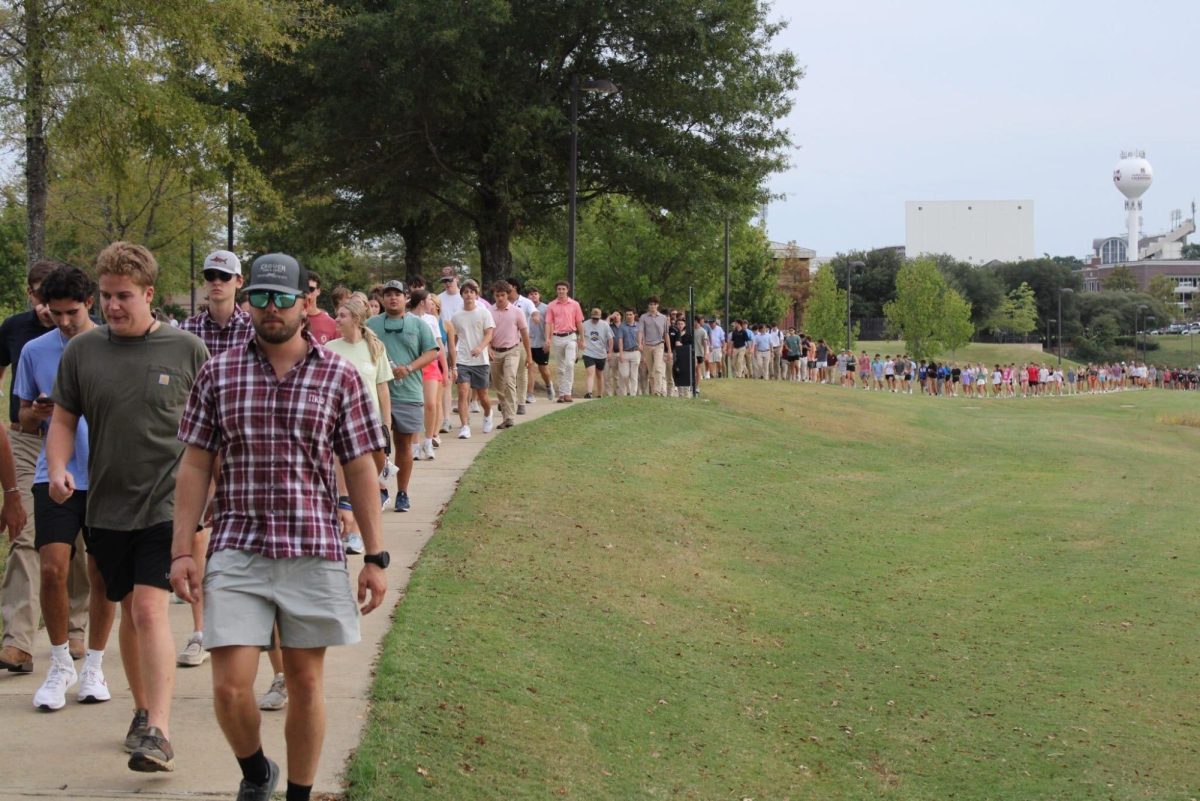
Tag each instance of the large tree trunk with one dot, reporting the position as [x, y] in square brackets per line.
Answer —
[415, 245]
[494, 235]
[35, 133]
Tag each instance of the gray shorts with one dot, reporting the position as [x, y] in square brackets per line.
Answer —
[408, 418]
[246, 593]
[479, 375]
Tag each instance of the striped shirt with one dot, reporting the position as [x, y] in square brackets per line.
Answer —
[277, 490]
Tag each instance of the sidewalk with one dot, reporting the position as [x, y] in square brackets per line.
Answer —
[76, 752]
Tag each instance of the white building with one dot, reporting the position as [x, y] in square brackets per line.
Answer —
[974, 231]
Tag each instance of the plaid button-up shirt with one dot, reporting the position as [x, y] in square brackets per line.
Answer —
[277, 491]
[238, 331]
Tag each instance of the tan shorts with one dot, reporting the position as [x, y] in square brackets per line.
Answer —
[246, 593]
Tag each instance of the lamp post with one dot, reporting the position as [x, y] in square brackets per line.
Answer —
[1049, 323]
[850, 268]
[603, 87]
[1066, 290]
[1137, 337]
[1149, 318]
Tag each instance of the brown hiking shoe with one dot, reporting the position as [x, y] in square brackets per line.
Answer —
[14, 660]
[153, 754]
[137, 728]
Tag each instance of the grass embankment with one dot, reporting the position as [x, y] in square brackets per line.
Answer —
[1174, 351]
[799, 592]
[973, 352]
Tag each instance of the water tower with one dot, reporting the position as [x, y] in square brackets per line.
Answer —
[1133, 177]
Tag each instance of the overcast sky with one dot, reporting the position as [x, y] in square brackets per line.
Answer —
[1025, 99]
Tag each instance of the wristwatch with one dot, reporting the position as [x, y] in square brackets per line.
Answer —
[381, 559]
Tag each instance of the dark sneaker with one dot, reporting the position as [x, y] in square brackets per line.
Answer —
[402, 504]
[137, 729]
[153, 754]
[260, 792]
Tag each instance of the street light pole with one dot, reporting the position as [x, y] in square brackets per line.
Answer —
[1049, 322]
[1149, 318]
[851, 266]
[603, 87]
[1066, 290]
[1137, 337]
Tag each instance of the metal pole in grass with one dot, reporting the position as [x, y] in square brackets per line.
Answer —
[851, 266]
[726, 325]
[1066, 290]
[1149, 318]
[692, 331]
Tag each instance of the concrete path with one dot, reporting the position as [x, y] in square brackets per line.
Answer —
[76, 753]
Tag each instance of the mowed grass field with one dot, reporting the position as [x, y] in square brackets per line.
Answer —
[1174, 351]
[799, 592]
[974, 352]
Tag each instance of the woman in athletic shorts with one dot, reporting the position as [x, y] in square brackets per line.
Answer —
[432, 374]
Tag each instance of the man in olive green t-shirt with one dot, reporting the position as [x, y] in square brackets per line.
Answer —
[410, 346]
[130, 379]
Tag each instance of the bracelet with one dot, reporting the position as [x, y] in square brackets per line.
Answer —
[14, 489]
[175, 559]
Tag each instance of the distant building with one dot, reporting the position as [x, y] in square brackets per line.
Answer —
[1168, 246]
[795, 272]
[973, 231]
[1185, 273]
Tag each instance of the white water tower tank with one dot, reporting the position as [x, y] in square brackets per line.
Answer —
[1132, 177]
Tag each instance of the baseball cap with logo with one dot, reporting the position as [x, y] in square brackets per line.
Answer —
[396, 285]
[278, 272]
[448, 274]
[224, 261]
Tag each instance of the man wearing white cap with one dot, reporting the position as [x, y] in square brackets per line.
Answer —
[221, 326]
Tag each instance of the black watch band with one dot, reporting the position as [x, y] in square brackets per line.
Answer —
[381, 559]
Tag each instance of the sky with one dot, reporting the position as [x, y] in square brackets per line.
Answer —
[966, 100]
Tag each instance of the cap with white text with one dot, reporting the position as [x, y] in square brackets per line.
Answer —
[278, 272]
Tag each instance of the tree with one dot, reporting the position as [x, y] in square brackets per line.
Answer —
[1191, 251]
[1017, 314]
[957, 328]
[1162, 287]
[918, 308]
[468, 106]
[825, 316]
[1120, 279]
[140, 59]
[982, 288]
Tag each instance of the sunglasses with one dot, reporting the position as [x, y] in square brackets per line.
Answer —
[261, 297]
[213, 276]
[313, 288]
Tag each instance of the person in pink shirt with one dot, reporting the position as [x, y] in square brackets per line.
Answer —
[510, 343]
[564, 326]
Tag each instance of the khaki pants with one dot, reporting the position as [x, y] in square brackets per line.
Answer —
[610, 375]
[20, 592]
[627, 366]
[741, 368]
[762, 364]
[562, 350]
[522, 374]
[656, 369]
[504, 380]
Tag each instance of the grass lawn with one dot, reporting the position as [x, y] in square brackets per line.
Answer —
[1174, 351]
[800, 592]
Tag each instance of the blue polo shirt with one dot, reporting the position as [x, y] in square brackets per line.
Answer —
[35, 376]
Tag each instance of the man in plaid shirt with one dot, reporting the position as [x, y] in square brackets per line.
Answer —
[278, 410]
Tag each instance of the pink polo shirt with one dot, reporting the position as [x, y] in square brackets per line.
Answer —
[563, 316]
[510, 323]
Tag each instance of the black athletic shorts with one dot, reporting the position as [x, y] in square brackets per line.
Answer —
[793, 357]
[126, 558]
[540, 356]
[58, 522]
[589, 361]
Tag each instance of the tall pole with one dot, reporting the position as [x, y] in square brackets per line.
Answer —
[692, 332]
[849, 269]
[727, 325]
[571, 184]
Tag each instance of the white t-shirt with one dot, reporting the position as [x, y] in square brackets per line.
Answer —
[451, 305]
[432, 322]
[470, 327]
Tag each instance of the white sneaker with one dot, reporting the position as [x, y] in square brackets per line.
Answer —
[52, 694]
[445, 426]
[389, 470]
[475, 407]
[274, 698]
[93, 689]
[487, 424]
[429, 456]
[354, 543]
[529, 398]
[193, 654]
[416, 452]
[464, 432]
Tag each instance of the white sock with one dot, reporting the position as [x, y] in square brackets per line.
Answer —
[93, 658]
[429, 443]
[60, 652]
[197, 635]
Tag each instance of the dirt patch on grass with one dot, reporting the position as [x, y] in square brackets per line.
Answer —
[1190, 420]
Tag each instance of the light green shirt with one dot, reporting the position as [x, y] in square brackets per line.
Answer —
[373, 371]
[405, 339]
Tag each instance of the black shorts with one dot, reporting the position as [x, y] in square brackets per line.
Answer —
[849, 368]
[126, 558]
[589, 361]
[541, 356]
[792, 358]
[1033, 383]
[58, 522]
[812, 365]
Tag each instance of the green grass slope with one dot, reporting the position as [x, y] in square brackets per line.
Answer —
[797, 592]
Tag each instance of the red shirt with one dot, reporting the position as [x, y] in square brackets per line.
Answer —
[1032, 373]
[322, 326]
[277, 491]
